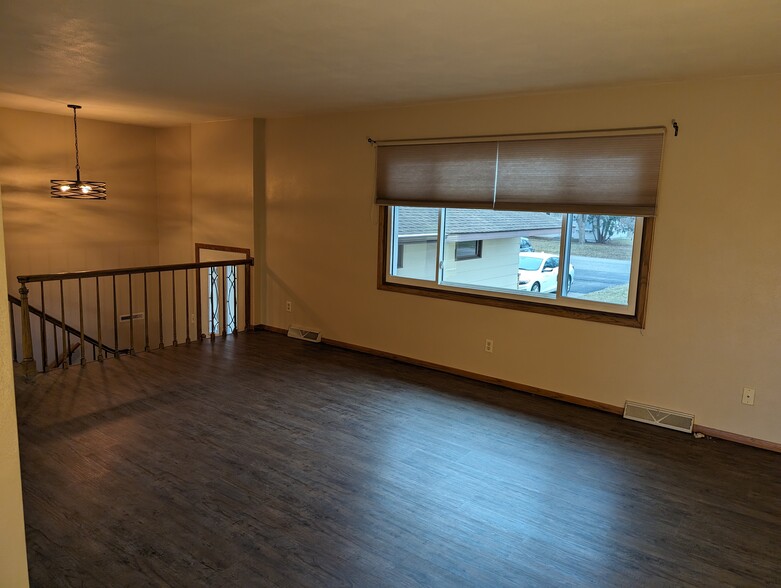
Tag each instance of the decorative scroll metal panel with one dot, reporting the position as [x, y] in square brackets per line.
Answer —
[231, 320]
[214, 300]
[223, 312]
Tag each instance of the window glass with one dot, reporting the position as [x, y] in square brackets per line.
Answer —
[579, 261]
[600, 251]
[414, 242]
[468, 250]
[501, 235]
[529, 264]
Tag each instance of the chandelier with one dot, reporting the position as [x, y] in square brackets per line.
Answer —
[78, 189]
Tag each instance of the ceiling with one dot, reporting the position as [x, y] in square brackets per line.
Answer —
[166, 62]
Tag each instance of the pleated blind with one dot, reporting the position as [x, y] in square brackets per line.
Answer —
[615, 174]
[449, 175]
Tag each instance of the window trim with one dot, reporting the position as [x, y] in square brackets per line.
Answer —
[485, 298]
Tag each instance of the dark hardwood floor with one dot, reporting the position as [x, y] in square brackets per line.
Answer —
[266, 461]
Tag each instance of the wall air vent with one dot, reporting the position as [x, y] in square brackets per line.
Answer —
[136, 316]
[305, 334]
[661, 417]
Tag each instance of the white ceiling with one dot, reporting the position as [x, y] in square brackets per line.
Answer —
[164, 62]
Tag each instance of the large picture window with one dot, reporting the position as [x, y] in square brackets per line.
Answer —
[522, 256]
[555, 224]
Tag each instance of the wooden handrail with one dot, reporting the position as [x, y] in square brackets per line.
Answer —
[131, 270]
[92, 278]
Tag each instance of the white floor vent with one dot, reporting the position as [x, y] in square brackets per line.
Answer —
[661, 417]
[305, 334]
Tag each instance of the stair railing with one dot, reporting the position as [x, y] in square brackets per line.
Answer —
[220, 316]
[57, 324]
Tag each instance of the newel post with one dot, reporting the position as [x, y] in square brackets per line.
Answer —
[28, 361]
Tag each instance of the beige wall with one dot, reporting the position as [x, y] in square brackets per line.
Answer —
[227, 170]
[223, 182]
[173, 152]
[259, 210]
[13, 555]
[46, 235]
[715, 289]
[174, 194]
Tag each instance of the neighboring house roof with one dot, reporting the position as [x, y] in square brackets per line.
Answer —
[413, 221]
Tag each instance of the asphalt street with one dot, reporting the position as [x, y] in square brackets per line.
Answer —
[592, 274]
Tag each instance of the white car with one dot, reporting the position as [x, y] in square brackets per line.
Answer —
[539, 272]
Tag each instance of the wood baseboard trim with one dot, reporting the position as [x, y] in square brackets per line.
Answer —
[480, 377]
[463, 373]
[736, 438]
[617, 410]
[279, 330]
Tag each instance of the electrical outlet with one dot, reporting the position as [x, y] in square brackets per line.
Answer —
[748, 396]
[289, 306]
[489, 345]
[192, 318]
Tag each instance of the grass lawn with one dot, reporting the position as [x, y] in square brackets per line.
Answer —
[612, 295]
[615, 249]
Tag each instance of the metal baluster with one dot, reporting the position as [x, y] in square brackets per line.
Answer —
[160, 306]
[44, 346]
[100, 332]
[130, 301]
[93, 352]
[173, 290]
[65, 335]
[116, 329]
[146, 317]
[70, 352]
[81, 327]
[56, 344]
[187, 304]
[224, 301]
[13, 331]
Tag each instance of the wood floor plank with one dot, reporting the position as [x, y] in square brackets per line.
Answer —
[265, 461]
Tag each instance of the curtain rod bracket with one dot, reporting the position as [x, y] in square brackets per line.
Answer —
[371, 141]
[675, 126]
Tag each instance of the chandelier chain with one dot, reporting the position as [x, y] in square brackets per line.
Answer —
[76, 136]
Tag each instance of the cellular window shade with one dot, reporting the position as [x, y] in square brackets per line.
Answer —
[615, 175]
[450, 175]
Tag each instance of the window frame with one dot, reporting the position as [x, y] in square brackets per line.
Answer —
[478, 250]
[562, 307]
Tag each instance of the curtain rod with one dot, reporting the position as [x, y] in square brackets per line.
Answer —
[649, 130]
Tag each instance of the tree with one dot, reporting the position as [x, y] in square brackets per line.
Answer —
[604, 227]
[581, 219]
